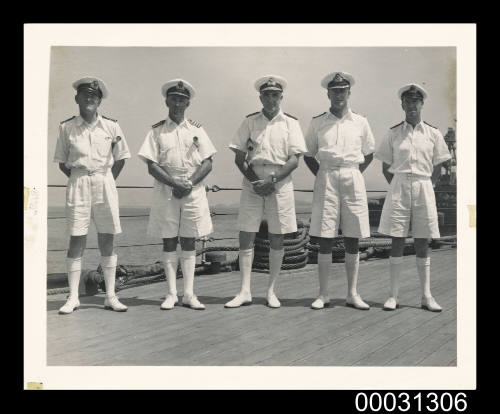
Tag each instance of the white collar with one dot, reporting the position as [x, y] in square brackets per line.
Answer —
[348, 114]
[171, 121]
[80, 121]
[406, 125]
[279, 114]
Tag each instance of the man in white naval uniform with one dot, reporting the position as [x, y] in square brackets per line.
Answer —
[268, 145]
[91, 151]
[179, 154]
[340, 147]
[411, 155]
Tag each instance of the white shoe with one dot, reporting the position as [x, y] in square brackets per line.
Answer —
[239, 300]
[430, 304]
[321, 302]
[192, 302]
[169, 302]
[70, 305]
[356, 302]
[272, 301]
[391, 304]
[112, 302]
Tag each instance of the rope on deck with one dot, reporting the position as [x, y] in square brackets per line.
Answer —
[299, 250]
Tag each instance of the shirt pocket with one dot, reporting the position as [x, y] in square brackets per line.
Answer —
[327, 137]
[424, 148]
[78, 147]
[103, 146]
[193, 155]
[353, 143]
[257, 136]
[169, 155]
[278, 142]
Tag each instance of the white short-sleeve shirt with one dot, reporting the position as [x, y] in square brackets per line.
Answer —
[339, 141]
[90, 146]
[184, 145]
[413, 150]
[269, 141]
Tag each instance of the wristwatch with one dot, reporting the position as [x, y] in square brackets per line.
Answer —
[189, 182]
[274, 180]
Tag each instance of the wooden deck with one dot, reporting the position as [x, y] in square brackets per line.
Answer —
[293, 335]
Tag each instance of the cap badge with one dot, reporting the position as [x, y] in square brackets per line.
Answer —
[271, 82]
[338, 78]
[180, 85]
[95, 84]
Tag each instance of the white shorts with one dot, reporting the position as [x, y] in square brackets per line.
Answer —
[340, 201]
[278, 208]
[410, 200]
[188, 216]
[82, 204]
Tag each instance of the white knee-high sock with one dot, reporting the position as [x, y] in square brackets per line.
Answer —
[108, 265]
[352, 270]
[395, 267]
[424, 274]
[188, 264]
[245, 260]
[74, 268]
[324, 268]
[170, 264]
[275, 262]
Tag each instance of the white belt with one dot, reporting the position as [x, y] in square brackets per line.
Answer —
[96, 181]
[324, 166]
[412, 176]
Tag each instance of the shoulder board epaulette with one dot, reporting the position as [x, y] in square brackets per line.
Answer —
[109, 119]
[69, 119]
[158, 124]
[430, 125]
[392, 127]
[252, 114]
[317, 116]
[291, 116]
[196, 124]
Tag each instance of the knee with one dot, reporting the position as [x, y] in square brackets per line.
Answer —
[351, 245]
[170, 244]
[106, 243]
[246, 240]
[276, 241]
[421, 247]
[325, 245]
[76, 246]
[398, 245]
[187, 243]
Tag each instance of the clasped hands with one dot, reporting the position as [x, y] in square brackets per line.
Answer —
[182, 188]
[264, 187]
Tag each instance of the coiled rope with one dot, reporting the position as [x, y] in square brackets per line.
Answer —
[299, 251]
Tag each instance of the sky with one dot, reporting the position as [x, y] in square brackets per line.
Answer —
[223, 78]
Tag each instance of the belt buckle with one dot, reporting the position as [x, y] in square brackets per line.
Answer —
[91, 172]
[409, 175]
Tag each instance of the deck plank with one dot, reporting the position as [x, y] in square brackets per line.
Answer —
[258, 335]
[444, 355]
[353, 346]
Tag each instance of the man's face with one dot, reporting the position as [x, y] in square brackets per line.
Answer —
[339, 97]
[271, 100]
[88, 101]
[177, 104]
[412, 106]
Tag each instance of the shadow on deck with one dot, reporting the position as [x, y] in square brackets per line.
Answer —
[293, 335]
